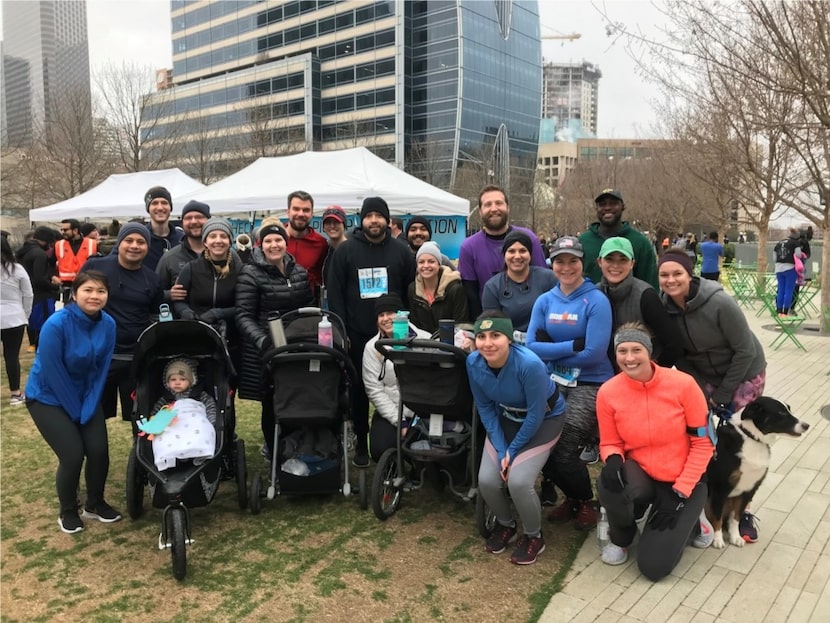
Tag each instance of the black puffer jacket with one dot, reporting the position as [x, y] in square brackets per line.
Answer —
[261, 289]
[36, 262]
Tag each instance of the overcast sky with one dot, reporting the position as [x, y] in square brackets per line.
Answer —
[139, 31]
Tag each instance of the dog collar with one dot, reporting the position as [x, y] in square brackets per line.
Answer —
[748, 434]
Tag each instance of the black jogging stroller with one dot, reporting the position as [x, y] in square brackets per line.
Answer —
[432, 378]
[190, 483]
[311, 411]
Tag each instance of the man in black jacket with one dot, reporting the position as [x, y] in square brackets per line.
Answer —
[45, 284]
[369, 264]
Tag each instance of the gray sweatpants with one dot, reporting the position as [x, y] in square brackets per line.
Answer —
[521, 479]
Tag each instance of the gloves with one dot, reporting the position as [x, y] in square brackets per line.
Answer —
[188, 314]
[211, 316]
[612, 476]
[542, 336]
[669, 505]
[579, 344]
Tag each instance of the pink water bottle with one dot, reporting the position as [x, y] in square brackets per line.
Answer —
[324, 334]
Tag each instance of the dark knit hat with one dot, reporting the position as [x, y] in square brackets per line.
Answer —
[196, 206]
[132, 228]
[374, 204]
[388, 302]
[87, 228]
[517, 236]
[420, 220]
[154, 193]
[44, 234]
[677, 255]
[217, 224]
[271, 229]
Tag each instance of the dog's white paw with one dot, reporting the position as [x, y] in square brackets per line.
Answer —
[736, 540]
[718, 543]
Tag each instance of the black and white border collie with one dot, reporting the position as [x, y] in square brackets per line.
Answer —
[741, 461]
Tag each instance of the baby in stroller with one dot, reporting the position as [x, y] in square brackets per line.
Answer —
[183, 420]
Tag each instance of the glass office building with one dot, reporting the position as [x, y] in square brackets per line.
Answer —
[429, 85]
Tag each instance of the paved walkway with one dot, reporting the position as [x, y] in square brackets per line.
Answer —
[785, 576]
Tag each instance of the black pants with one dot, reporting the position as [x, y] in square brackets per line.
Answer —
[120, 384]
[71, 442]
[12, 340]
[382, 436]
[659, 551]
[711, 276]
[360, 401]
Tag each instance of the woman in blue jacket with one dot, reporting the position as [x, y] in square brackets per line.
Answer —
[63, 396]
[521, 410]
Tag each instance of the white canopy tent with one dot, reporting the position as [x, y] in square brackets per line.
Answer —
[119, 196]
[341, 178]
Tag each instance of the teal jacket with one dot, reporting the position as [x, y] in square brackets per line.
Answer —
[645, 261]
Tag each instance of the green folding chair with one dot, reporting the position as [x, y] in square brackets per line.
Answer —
[804, 305]
[740, 282]
[788, 325]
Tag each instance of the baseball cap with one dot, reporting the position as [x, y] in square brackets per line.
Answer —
[335, 212]
[610, 192]
[617, 244]
[567, 244]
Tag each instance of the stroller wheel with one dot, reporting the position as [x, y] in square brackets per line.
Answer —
[177, 532]
[485, 518]
[241, 473]
[386, 486]
[135, 486]
[255, 500]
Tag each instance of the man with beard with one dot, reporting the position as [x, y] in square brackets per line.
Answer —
[419, 231]
[194, 216]
[609, 224]
[163, 238]
[366, 266]
[134, 299]
[306, 246]
[70, 254]
[481, 254]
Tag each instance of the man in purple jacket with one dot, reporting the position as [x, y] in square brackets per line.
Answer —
[481, 255]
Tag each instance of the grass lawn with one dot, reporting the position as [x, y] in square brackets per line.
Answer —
[300, 560]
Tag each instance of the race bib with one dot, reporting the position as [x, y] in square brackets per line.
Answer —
[372, 282]
[564, 375]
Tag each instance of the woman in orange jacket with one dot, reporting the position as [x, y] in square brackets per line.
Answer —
[654, 442]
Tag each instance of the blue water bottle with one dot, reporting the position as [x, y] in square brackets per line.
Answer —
[400, 326]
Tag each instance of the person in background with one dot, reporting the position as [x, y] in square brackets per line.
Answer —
[516, 288]
[396, 226]
[89, 230]
[64, 398]
[71, 252]
[711, 252]
[481, 256]
[334, 226]
[133, 302]
[380, 380]
[194, 216]
[719, 349]
[436, 292]
[308, 248]
[163, 237]
[728, 252]
[419, 231]
[691, 247]
[609, 209]
[523, 413]
[16, 299]
[665, 470]
[45, 284]
[570, 327]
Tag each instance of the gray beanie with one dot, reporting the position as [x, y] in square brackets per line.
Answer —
[217, 224]
[430, 247]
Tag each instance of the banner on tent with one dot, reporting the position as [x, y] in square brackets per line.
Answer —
[447, 231]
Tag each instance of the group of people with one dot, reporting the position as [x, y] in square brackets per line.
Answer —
[562, 356]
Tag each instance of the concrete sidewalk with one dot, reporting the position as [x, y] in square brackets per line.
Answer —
[785, 576]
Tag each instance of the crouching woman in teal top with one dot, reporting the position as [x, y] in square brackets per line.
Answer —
[63, 395]
[521, 409]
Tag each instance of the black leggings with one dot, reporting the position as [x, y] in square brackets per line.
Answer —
[71, 442]
[12, 340]
[382, 436]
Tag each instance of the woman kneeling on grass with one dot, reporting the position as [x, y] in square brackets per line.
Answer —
[63, 396]
[654, 442]
[521, 409]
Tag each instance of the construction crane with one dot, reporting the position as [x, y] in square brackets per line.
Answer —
[571, 37]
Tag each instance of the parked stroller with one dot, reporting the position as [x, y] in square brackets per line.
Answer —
[311, 409]
[189, 483]
[432, 377]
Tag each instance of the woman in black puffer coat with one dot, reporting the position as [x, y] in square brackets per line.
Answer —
[271, 282]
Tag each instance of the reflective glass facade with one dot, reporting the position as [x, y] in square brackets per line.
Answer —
[461, 76]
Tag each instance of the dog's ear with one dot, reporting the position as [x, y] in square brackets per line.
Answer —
[750, 410]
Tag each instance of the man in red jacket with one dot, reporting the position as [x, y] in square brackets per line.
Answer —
[308, 248]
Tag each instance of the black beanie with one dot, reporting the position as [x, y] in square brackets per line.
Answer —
[44, 234]
[422, 221]
[388, 302]
[154, 193]
[196, 206]
[517, 236]
[271, 229]
[374, 204]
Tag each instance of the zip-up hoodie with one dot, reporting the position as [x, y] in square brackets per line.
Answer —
[73, 357]
[450, 301]
[718, 346]
[583, 314]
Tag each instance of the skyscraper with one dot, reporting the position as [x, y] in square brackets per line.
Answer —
[45, 60]
[570, 93]
[432, 86]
